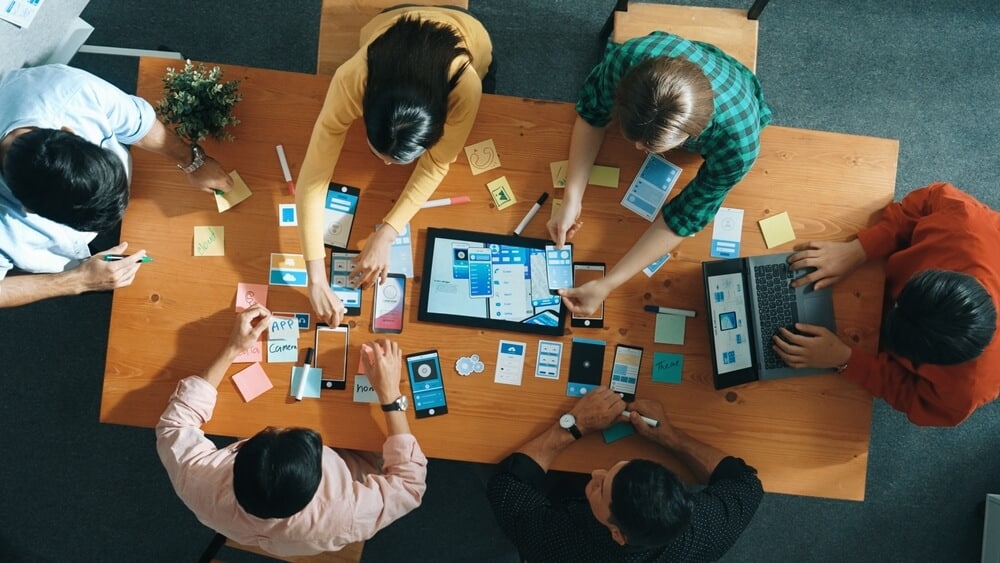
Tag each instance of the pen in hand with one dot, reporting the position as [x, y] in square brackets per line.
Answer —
[117, 257]
[652, 422]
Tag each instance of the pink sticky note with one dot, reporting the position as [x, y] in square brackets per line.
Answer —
[249, 293]
[366, 350]
[252, 382]
[254, 353]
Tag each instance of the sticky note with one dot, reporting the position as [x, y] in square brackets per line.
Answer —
[249, 293]
[235, 195]
[252, 382]
[667, 367]
[313, 378]
[209, 241]
[363, 390]
[283, 351]
[617, 432]
[556, 204]
[502, 194]
[283, 328]
[606, 176]
[669, 329]
[251, 354]
[558, 171]
[286, 215]
[777, 229]
[482, 156]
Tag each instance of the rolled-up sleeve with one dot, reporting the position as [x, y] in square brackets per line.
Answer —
[179, 438]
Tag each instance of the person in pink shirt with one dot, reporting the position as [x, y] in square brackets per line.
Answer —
[282, 490]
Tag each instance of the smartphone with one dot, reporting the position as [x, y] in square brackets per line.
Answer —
[625, 371]
[584, 272]
[338, 214]
[426, 384]
[341, 266]
[586, 366]
[480, 272]
[559, 267]
[331, 355]
[390, 298]
[545, 317]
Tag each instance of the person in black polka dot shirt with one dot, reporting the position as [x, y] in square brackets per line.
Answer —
[636, 511]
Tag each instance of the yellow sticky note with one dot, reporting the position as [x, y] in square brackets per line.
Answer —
[777, 229]
[556, 204]
[482, 156]
[558, 171]
[502, 194]
[210, 241]
[238, 193]
[606, 176]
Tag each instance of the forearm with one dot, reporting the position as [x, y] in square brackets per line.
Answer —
[545, 447]
[584, 144]
[165, 142]
[698, 456]
[654, 243]
[22, 289]
[316, 270]
[217, 370]
[396, 423]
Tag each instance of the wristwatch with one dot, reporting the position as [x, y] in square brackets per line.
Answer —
[197, 159]
[400, 404]
[568, 422]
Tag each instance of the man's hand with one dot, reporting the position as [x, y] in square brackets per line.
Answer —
[587, 298]
[383, 360]
[564, 222]
[664, 434]
[210, 176]
[815, 347]
[372, 265]
[98, 275]
[832, 261]
[325, 302]
[249, 326]
[598, 410]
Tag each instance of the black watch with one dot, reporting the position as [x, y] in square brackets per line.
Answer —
[197, 159]
[568, 422]
[400, 404]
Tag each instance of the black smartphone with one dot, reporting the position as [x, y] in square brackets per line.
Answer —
[586, 366]
[584, 272]
[338, 214]
[559, 267]
[426, 384]
[625, 371]
[390, 299]
[341, 266]
[331, 355]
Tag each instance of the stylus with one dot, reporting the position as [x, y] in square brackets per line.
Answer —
[284, 169]
[652, 422]
[117, 257]
[670, 311]
[304, 374]
[446, 201]
[531, 213]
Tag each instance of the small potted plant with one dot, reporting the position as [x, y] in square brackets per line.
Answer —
[197, 103]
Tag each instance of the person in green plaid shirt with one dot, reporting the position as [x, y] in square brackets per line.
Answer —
[666, 92]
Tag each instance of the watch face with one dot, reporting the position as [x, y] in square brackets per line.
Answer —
[567, 420]
[403, 403]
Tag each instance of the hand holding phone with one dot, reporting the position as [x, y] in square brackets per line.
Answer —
[559, 266]
[341, 266]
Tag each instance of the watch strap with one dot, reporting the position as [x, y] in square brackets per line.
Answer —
[575, 432]
[393, 406]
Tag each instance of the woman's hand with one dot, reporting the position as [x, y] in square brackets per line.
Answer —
[372, 265]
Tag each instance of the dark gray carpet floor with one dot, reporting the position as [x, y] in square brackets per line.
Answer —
[926, 73]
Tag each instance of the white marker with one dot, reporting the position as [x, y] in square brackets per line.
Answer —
[304, 374]
[531, 213]
[653, 423]
[284, 169]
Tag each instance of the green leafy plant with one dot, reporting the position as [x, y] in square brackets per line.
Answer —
[197, 103]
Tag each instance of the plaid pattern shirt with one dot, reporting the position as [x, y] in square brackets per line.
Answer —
[729, 144]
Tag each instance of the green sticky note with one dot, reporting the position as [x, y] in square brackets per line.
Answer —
[669, 329]
[618, 431]
[606, 176]
[667, 367]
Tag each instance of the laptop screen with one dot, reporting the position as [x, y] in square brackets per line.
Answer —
[730, 328]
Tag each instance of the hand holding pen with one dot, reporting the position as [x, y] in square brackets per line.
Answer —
[101, 273]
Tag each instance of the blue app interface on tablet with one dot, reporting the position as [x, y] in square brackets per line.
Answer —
[480, 273]
[425, 381]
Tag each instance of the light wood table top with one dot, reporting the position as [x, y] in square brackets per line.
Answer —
[805, 435]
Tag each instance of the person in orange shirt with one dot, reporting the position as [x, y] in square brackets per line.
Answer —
[940, 359]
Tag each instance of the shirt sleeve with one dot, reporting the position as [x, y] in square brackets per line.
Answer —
[180, 441]
[130, 117]
[596, 100]
[341, 107]
[433, 165]
[895, 228]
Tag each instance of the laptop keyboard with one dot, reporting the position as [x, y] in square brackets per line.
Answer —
[776, 299]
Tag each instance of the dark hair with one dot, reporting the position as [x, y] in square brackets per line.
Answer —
[662, 101]
[277, 472]
[405, 104]
[649, 503]
[940, 317]
[65, 178]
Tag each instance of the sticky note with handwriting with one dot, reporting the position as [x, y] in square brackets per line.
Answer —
[482, 156]
[239, 192]
[251, 354]
[667, 367]
[283, 328]
[209, 241]
[283, 351]
[249, 293]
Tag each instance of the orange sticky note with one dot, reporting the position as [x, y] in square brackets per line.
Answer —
[252, 382]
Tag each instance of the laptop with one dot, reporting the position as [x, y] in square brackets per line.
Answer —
[748, 299]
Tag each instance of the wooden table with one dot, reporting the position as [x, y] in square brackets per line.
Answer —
[805, 435]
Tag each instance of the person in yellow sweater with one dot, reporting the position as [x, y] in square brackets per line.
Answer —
[417, 82]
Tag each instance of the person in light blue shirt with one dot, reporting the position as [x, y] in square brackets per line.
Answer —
[64, 178]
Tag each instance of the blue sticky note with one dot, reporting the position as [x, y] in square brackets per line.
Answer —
[312, 382]
[667, 367]
[282, 351]
[618, 431]
[669, 329]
